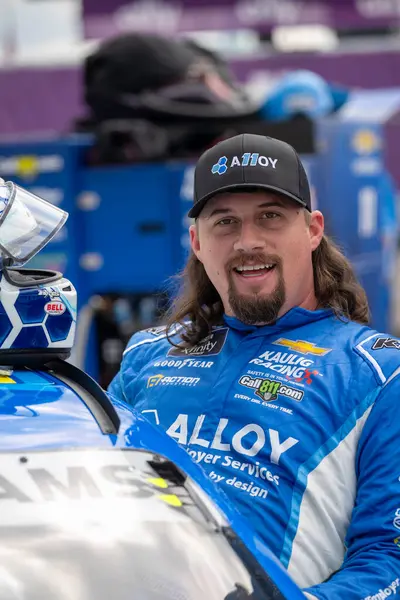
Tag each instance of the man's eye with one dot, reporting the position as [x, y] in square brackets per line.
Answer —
[226, 221]
[270, 215]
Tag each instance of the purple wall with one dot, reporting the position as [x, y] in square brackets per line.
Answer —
[108, 17]
[392, 143]
[369, 71]
[48, 100]
[39, 100]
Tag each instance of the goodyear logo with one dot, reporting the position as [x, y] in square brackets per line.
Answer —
[366, 141]
[302, 347]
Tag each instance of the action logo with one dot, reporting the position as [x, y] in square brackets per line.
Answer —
[162, 380]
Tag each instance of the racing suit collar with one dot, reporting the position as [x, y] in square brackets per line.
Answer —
[296, 317]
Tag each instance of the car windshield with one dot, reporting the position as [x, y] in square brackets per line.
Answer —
[101, 524]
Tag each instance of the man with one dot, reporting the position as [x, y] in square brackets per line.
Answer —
[268, 374]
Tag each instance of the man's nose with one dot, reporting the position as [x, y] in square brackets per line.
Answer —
[250, 238]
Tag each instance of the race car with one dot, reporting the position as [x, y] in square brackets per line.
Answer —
[95, 502]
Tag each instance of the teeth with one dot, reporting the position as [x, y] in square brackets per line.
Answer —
[253, 267]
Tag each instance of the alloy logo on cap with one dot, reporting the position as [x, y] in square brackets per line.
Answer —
[220, 167]
[247, 160]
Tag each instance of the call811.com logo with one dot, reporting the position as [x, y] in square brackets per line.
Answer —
[269, 390]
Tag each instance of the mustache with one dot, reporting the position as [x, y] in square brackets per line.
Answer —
[256, 258]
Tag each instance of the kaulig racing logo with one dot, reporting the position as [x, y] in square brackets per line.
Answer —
[284, 363]
[269, 390]
[386, 342]
[247, 160]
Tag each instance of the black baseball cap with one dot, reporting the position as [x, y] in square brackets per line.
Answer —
[250, 161]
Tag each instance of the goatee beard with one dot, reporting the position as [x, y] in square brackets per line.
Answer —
[258, 309]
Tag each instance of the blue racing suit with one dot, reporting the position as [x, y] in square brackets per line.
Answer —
[299, 422]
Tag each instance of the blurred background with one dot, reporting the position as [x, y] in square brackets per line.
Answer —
[106, 104]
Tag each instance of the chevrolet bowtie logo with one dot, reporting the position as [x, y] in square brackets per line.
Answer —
[303, 347]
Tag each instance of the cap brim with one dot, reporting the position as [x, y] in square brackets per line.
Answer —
[198, 207]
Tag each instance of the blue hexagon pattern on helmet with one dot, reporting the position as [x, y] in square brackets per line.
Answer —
[31, 337]
[58, 326]
[5, 325]
[30, 306]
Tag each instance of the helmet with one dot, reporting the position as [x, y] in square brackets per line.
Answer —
[37, 307]
[299, 93]
[150, 76]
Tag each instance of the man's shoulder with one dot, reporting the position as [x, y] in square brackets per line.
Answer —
[380, 351]
[153, 337]
[159, 340]
[368, 350]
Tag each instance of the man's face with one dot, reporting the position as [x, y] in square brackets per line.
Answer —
[256, 249]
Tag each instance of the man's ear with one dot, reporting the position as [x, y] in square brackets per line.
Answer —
[316, 228]
[194, 239]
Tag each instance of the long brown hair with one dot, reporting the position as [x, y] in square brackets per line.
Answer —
[198, 307]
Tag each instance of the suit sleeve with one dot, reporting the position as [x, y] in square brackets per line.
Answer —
[116, 388]
[371, 568]
[123, 385]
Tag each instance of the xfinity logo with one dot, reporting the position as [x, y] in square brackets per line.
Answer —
[247, 160]
[212, 344]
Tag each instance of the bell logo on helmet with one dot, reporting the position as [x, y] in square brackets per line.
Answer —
[247, 160]
[55, 308]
